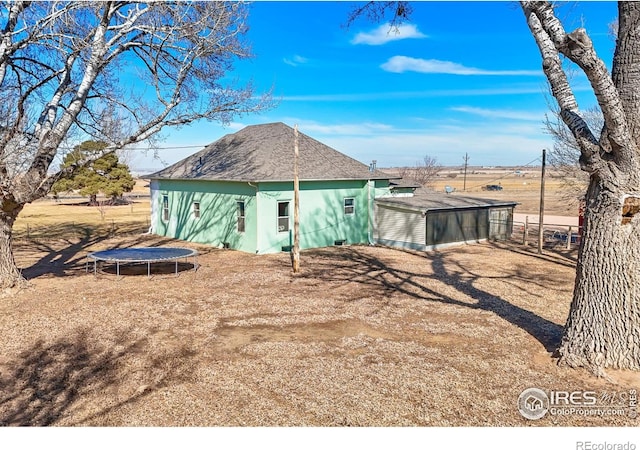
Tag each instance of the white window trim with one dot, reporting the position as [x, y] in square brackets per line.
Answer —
[193, 210]
[162, 209]
[278, 217]
[353, 206]
[244, 216]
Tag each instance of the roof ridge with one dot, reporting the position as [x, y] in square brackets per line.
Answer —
[264, 152]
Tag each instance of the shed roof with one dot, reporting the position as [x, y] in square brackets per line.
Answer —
[265, 153]
[404, 183]
[425, 200]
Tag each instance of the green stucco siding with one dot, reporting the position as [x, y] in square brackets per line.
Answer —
[323, 218]
[217, 223]
[322, 214]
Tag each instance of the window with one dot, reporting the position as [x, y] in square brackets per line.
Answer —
[165, 208]
[196, 210]
[349, 206]
[283, 216]
[240, 216]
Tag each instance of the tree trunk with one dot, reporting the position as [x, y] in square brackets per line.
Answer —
[9, 273]
[296, 205]
[93, 200]
[603, 328]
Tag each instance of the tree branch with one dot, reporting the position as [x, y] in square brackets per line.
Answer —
[577, 46]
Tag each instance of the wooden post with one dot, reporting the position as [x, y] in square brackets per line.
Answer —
[541, 216]
[569, 239]
[466, 162]
[526, 230]
[296, 205]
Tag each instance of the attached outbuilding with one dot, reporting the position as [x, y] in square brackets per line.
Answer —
[428, 220]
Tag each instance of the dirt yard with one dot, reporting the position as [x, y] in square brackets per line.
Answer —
[363, 336]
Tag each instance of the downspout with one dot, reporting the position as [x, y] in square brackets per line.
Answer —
[257, 227]
[153, 201]
[426, 228]
[369, 214]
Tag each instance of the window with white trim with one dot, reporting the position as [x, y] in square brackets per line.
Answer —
[349, 206]
[240, 215]
[196, 210]
[283, 216]
[165, 208]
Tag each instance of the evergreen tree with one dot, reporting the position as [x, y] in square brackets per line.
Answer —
[105, 174]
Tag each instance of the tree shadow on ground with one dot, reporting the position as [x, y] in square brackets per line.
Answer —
[552, 253]
[53, 381]
[357, 265]
[67, 256]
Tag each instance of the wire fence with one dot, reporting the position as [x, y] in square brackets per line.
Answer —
[554, 235]
[79, 230]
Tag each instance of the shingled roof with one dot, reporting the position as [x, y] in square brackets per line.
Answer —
[265, 153]
[425, 200]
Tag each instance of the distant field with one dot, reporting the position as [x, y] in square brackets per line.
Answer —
[48, 218]
[523, 188]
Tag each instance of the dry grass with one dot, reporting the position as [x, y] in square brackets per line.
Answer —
[522, 189]
[363, 336]
[47, 219]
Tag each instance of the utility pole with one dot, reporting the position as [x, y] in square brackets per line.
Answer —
[541, 216]
[466, 161]
[296, 205]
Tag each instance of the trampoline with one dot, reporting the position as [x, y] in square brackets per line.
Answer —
[141, 255]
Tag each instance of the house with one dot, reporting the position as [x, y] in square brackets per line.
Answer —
[428, 220]
[238, 193]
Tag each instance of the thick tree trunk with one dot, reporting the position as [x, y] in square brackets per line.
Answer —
[603, 328]
[9, 273]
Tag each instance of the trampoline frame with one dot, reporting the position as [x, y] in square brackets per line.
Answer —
[98, 258]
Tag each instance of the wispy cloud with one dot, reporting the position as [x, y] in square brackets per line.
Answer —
[399, 64]
[501, 113]
[412, 95]
[487, 145]
[387, 33]
[341, 129]
[296, 60]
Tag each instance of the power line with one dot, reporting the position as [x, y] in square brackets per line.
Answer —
[507, 175]
[149, 148]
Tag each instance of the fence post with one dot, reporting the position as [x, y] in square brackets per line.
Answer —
[569, 239]
[526, 230]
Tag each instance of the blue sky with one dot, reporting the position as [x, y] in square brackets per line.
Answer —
[461, 77]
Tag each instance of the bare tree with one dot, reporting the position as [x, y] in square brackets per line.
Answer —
[424, 172]
[118, 72]
[564, 156]
[603, 328]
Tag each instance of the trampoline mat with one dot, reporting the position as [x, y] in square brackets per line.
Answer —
[142, 254]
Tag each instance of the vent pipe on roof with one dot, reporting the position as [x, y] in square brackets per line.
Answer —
[372, 166]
